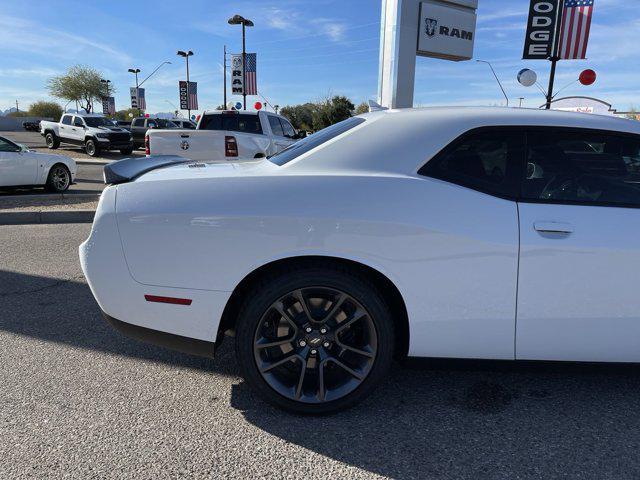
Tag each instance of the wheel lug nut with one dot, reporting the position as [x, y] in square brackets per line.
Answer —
[325, 344]
[302, 343]
[308, 329]
[314, 351]
[323, 330]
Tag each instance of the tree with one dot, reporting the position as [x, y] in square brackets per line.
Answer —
[81, 84]
[332, 110]
[124, 115]
[46, 110]
[362, 108]
[300, 116]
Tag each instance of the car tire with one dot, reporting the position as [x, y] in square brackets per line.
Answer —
[334, 377]
[52, 141]
[59, 179]
[91, 147]
[126, 151]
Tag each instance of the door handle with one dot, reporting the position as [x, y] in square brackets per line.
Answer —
[553, 227]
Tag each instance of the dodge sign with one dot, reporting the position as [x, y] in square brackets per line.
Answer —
[541, 29]
[446, 30]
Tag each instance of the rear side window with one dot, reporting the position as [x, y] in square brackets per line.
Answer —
[489, 161]
[276, 127]
[234, 122]
[307, 144]
[288, 128]
[589, 168]
[66, 120]
[138, 122]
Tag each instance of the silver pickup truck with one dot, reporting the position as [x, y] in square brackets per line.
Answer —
[226, 135]
[92, 131]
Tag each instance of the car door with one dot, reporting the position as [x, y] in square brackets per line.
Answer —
[138, 131]
[578, 294]
[64, 128]
[280, 141]
[466, 269]
[77, 130]
[289, 132]
[16, 167]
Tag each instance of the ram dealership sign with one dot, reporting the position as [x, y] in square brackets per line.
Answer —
[447, 30]
[541, 29]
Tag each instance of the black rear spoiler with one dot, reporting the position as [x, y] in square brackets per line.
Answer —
[129, 169]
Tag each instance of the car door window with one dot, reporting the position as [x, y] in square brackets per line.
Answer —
[487, 161]
[7, 146]
[77, 122]
[276, 126]
[66, 120]
[588, 168]
[138, 122]
[289, 131]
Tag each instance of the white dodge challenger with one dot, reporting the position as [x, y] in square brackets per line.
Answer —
[459, 232]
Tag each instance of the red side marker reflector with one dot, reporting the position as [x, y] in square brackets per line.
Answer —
[171, 300]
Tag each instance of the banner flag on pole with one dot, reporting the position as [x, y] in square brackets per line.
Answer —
[138, 98]
[575, 29]
[250, 72]
[188, 97]
[237, 75]
[108, 105]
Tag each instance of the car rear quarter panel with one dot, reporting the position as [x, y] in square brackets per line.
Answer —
[451, 252]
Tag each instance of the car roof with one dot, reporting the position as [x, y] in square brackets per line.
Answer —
[400, 141]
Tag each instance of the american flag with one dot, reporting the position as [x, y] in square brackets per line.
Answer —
[142, 103]
[574, 31]
[250, 75]
[193, 96]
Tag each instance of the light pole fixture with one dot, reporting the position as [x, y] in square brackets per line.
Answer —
[497, 79]
[151, 74]
[245, 22]
[186, 56]
[136, 71]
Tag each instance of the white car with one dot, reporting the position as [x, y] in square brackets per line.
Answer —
[482, 233]
[226, 136]
[20, 167]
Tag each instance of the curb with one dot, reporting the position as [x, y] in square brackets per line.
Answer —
[33, 217]
[61, 196]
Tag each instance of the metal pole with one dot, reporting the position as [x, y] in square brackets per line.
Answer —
[555, 55]
[137, 99]
[188, 98]
[244, 66]
[225, 77]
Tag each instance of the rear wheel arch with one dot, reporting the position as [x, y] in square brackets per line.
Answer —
[386, 287]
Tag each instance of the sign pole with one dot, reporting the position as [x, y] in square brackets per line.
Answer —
[244, 67]
[555, 57]
[224, 81]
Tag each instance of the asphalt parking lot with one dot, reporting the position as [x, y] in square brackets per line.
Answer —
[79, 400]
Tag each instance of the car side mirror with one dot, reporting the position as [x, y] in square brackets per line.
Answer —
[301, 134]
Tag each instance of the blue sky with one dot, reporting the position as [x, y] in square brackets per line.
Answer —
[306, 49]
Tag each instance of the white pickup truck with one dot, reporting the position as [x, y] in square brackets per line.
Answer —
[92, 131]
[226, 135]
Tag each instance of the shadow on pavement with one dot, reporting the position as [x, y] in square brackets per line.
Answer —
[64, 311]
[476, 420]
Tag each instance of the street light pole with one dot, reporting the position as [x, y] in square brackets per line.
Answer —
[186, 56]
[497, 79]
[136, 71]
[240, 20]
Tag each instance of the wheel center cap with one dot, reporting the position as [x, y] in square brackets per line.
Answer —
[315, 341]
